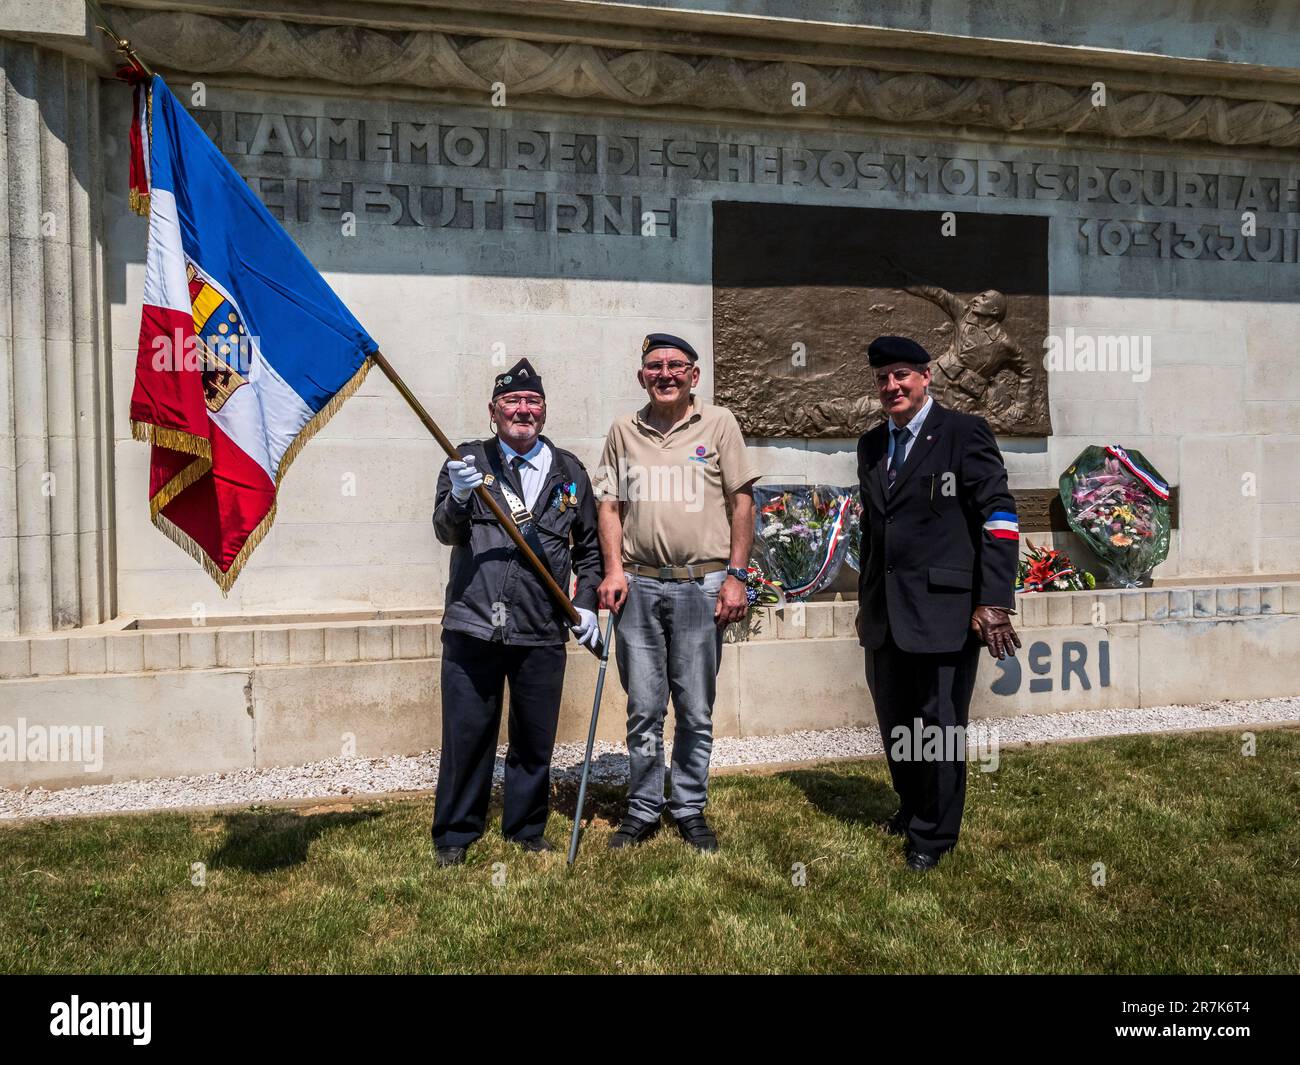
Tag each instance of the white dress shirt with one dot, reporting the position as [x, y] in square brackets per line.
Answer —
[913, 432]
[534, 471]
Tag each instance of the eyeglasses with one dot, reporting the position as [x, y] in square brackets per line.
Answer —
[677, 367]
[900, 376]
[532, 403]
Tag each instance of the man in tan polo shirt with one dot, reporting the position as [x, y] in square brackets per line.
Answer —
[676, 521]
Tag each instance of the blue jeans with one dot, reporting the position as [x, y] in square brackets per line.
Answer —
[668, 644]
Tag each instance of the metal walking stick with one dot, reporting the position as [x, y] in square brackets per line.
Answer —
[591, 739]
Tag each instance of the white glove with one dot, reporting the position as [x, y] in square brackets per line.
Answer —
[588, 629]
[464, 478]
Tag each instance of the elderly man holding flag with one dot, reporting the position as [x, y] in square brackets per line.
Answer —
[245, 352]
[500, 623]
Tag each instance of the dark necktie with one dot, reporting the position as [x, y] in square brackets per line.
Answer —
[896, 463]
[517, 465]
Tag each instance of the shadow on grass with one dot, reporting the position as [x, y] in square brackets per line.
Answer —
[847, 797]
[604, 802]
[263, 843]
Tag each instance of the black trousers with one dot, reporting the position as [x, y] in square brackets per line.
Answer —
[474, 674]
[935, 688]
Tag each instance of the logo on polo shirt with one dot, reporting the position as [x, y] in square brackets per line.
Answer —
[701, 454]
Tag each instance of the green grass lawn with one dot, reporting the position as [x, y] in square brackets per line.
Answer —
[1201, 847]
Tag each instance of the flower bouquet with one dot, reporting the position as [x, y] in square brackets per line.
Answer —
[1119, 505]
[853, 531]
[1045, 570]
[759, 592]
[800, 535]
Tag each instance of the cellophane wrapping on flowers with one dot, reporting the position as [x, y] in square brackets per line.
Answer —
[801, 534]
[1123, 521]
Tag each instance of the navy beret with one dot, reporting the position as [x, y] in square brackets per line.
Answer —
[884, 351]
[667, 340]
[521, 377]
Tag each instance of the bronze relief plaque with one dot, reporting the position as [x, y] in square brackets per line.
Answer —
[799, 292]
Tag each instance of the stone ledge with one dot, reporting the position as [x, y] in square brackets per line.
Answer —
[150, 649]
[1100, 607]
[202, 720]
[156, 650]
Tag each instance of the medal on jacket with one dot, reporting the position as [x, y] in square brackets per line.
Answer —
[566, 496]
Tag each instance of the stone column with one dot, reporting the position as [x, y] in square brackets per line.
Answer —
[55, 389]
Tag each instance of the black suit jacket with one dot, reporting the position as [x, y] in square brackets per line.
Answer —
[488, 571]
[927, 559]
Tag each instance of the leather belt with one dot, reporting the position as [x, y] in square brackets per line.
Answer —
[675, 573]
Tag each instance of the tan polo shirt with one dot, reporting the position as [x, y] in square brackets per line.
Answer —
[674, 486]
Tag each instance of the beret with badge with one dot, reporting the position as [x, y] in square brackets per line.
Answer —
[655, 341]
[521, 377]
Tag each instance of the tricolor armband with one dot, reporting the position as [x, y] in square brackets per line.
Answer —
[1003, 525]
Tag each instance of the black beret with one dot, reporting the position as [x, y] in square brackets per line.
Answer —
[667, 340]
[884, 351]
[521, 377]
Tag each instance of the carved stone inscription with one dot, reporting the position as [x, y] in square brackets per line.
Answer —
[464, 173]
[799, 293]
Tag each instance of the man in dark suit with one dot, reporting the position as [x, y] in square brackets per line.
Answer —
[939, 548]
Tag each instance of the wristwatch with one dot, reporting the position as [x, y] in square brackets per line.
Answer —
[738, 573]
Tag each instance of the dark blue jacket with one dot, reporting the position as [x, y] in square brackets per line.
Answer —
[926, 559]
[492, 592]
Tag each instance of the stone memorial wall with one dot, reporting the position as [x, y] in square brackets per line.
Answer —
[466, 237]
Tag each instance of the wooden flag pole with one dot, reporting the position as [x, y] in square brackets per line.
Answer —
[507, 523]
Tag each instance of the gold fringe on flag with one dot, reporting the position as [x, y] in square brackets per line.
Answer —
[177, 485]
[321, 417]
[225, 579]
[172, 439]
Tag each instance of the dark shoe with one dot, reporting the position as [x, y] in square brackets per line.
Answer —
[632, 833]
[696, 831]
[896, 825]
[446, 856]
[921, 863]
[534, 844]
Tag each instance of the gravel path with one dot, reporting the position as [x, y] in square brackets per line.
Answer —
[361, 776]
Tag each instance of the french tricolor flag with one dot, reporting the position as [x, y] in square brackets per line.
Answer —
[1003, 525]
[245, 351]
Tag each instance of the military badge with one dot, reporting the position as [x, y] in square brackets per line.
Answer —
[566, 495]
